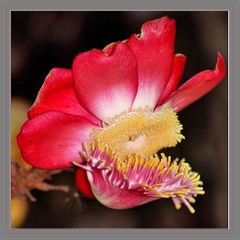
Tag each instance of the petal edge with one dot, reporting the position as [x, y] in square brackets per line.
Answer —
[57, 94]
[106, 81]
[53, 140]
[154, 50]
[197, 86]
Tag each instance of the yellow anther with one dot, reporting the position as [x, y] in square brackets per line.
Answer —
[141, 132]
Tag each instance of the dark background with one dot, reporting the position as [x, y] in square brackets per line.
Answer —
[44, 40]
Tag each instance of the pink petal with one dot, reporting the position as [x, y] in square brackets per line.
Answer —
[197, 86]
[106, 81]
[136, 180]
[154, 50]
[57, 94]
[178, 69]
[113, 196]
[53, 140]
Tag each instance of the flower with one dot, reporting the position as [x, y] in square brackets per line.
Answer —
[110, 115]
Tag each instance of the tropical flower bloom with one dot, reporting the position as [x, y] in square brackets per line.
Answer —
[113, 112]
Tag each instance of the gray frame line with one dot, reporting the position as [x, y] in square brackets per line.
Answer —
[233, 118]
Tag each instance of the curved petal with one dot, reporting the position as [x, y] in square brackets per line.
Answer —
[82, 183]
[113, 196]
[53, 140]
[106, 82]
[57, 94]
[197, 86]
[137, 180]
[178, 69]
[154, 50]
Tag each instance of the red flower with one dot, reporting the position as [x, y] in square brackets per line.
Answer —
[120, 103]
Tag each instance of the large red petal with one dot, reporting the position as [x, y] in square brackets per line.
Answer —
[178, 69]
[57, 94]
[154, 50]
[197, 86]
[106, 81]
[82, 183]
[53, 140]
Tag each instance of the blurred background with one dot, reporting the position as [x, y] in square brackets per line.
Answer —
[44, 40]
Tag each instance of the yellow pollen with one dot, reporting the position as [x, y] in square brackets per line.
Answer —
[142, 132]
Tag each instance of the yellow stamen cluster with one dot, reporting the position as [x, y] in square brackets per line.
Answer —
[141, 132]
[134, 161]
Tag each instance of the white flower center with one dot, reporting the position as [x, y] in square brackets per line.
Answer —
[137, 144]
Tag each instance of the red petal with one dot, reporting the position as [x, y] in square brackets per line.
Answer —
[154, 51]
[105, 81]
[57, 94]
[197, 86]
[53, 140]
[82, 183]
[178, 69]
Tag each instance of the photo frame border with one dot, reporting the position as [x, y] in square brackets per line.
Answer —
[232, 6]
